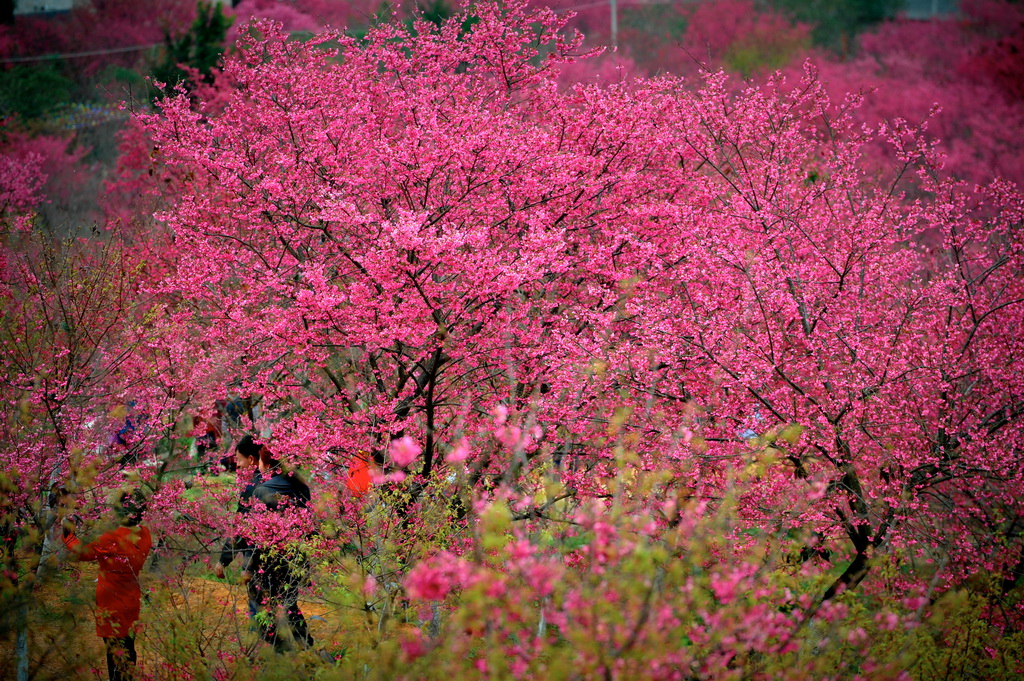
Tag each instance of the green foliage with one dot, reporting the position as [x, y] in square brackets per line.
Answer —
[435, 11]
[129, 83]
[31, 92]
[622, 598]
[835, 23]
[662, 20]
[959, 640]
[748, 58]
[201, 48]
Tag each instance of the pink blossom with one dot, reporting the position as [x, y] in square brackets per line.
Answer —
[458, 453]
[541, 577]
[379, 478]
[500, 413]
[426, 582]
[412, 643]
[404, 451]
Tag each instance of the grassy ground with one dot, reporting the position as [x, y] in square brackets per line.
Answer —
[190, 623]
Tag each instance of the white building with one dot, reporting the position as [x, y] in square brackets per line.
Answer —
[929, 9]
[53, 6]
[42, 6]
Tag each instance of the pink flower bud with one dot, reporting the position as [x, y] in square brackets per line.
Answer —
[404, 451]
[426, 582]
[500, 414]
[459, 453]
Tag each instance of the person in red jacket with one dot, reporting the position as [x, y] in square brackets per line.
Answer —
[120, 554]
[360, 475]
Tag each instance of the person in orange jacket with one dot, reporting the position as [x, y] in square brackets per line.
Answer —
[360, 475]
[120, 554]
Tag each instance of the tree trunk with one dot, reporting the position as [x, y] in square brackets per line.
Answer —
[854, 573]
[21, 645]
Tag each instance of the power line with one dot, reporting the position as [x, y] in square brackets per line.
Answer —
[563, 10]
[73, 55]
[622, 3]
[137, 48]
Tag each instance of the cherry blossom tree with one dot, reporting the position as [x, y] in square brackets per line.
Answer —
[88, 388]
[909, 68]
[642, 362]
[460, 301]
[421, 237]
[809, 314]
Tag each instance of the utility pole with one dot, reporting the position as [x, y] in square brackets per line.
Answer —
[613, 4]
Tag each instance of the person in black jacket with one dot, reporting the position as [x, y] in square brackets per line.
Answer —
[272, 575]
